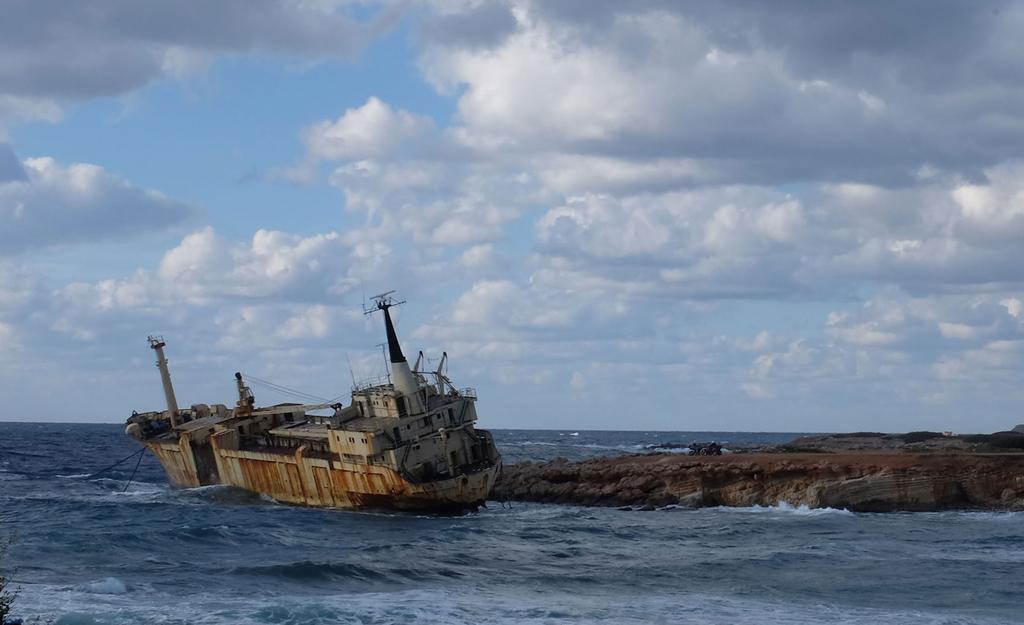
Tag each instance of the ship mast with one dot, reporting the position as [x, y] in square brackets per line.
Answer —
[157, 344]
[401, 376]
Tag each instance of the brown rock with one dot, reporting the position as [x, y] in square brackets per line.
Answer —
[856, 481]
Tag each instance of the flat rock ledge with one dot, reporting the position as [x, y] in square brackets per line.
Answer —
[864, 482]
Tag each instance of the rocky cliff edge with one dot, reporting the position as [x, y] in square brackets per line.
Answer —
[869, 482]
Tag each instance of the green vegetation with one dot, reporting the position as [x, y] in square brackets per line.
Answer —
[998, 440]
[918, 437]
[7, 593]
[859, 435]
[796, 449]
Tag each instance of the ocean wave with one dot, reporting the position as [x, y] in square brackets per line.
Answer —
[105, 586]
[98, 491]
[671, 448]
[221, 494]
[308, 570]
[566, 445]
[785, 508]
[457, 607]
[992, 515]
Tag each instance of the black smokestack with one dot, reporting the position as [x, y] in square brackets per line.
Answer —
[393, 347]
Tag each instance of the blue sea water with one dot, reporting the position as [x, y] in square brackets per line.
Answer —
[84, 552]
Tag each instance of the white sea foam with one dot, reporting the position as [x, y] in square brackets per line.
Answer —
[667, 450]
[998, 516]
[143, 491]
[575, 445]
[786, 508]
[456, 608]
[105, 586]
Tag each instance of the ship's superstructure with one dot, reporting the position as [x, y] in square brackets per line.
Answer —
[405, 442]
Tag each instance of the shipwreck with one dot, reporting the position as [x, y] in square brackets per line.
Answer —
[407, 441]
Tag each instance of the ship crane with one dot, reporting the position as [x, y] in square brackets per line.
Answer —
[246, 400]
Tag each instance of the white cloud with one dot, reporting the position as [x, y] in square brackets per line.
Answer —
[478, 255]
[954, 322]
[672, 84]
[994, 210]
[58, 204]
[1013, 306]
[312, 323]
[703, 181]
[411, 181]
[205, 268]
[19, 288]
[109, 47]
[18, 109]
[756, 391]
[960, 331]
[372, 130]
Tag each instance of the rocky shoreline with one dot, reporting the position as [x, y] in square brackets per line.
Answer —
[865, 481]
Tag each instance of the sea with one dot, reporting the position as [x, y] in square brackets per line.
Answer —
[88, 550]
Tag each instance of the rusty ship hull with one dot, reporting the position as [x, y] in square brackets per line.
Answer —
[299, 478]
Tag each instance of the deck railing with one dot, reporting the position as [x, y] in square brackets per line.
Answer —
[362, 385]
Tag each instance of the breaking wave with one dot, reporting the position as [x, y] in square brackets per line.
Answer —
[105, 586]
[786, 508]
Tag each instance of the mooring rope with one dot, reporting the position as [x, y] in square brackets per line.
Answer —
[102, 471]
[132, 476]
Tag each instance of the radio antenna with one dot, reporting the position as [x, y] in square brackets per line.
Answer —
[384, 355]
[350, 371]
[381, 301]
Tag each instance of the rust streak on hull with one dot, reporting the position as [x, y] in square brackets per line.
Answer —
[311, 481]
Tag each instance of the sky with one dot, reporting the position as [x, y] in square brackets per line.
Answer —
[723, 215]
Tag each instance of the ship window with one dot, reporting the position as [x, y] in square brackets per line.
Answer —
[351, 440]
[356, 458]
[363, 439]
[408, 426]
[451, 413]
